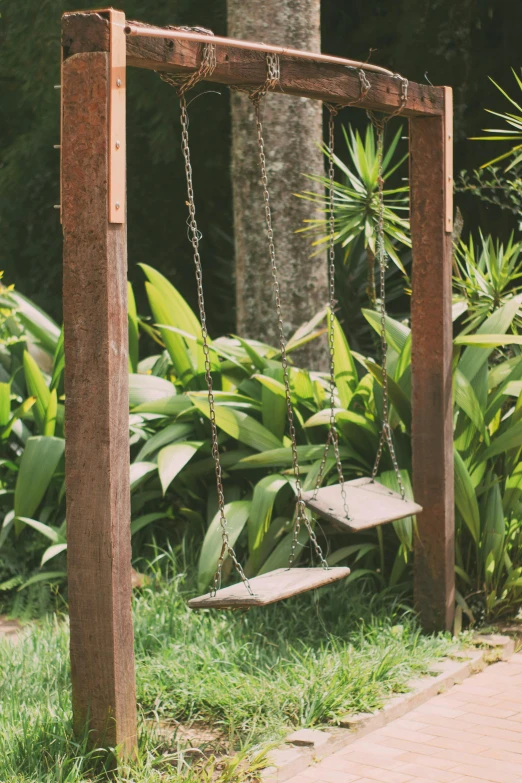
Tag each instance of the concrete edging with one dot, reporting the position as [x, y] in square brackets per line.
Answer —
[307, 746]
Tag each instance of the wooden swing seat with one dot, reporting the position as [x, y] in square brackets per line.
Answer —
[369, 504]
[269, 588]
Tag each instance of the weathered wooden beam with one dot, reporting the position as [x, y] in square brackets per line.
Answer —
[96, 414]
[431, 206]
[322, 81]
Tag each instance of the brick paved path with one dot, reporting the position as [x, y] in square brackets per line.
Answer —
[472, 734]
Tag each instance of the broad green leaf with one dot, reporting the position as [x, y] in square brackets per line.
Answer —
[398, 568]
[513, 492]
[346, 377]
[165, 406]
[265, 493]
[228, 460]
[396, 333]
[403, 367]
[239, 426]
[404, 527]
[301, 385]
[259, 362]
[174, 343]
[146, 388]
[7, 526]
[359, 573]
[5, 403]
[312, 475]
[511, 438]
[513, 389]
[18, 413]
[140, 522]
[493, 525]
[280, 556]
[499, 372]
[163, 437]
[273, 403]
[398, 399]
[52, 533]
[44, 576]
[305, 331]
[39, 461]
[356, 428]
[37, 322]
[180, 315]
[465, 498]
[172, 459]
[133, 330]
[282, 457]
[139, 471]
[474, 358]
[52, 551]
[279, 527]
[58, 362]
[271, 383]
[37, 387]
[229, 399]
[50, 414]
[466, 399]
[488, 340]
[186, 319]
[236, 514]
[346, 551]
[510, 385]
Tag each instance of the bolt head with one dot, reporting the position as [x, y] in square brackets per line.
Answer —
[117, 205]
[117, 145]
[118, 82]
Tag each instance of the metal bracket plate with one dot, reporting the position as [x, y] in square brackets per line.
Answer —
[117, 129]
[448, 159]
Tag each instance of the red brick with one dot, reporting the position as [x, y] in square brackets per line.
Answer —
[421, 770]
[490, 775]
[455, 744]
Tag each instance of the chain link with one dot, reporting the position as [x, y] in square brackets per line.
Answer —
[386, 436]
[208, 63]
[301, 516]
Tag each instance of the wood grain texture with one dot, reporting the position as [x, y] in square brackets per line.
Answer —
[369, 504]
[96, 416]
[269, 588]
[432, 425]
[322, 81]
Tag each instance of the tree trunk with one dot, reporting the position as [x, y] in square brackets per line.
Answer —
[292, 131]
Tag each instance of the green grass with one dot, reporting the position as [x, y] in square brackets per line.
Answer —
[249, 676]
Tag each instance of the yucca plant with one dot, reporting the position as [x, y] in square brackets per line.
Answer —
[487, 275]
[513, 133]
[356, 202]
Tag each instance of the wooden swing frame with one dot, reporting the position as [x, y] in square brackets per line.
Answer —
[95, 53]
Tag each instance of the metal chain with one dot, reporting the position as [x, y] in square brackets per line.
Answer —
[386, 433]
[333, 435]
[208, 63]
[300, 513]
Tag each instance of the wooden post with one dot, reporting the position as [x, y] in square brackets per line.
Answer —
[431, 179]
[96, 412]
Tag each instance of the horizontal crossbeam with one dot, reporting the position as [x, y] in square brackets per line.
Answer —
[325, 81]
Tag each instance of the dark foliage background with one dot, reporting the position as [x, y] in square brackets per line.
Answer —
[455, 42]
